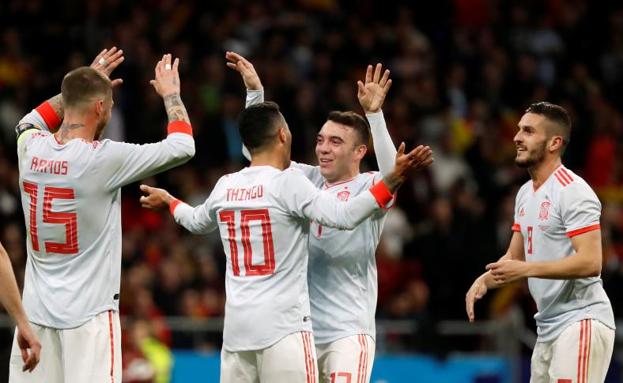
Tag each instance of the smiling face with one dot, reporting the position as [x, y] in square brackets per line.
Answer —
[535, 140]
[339, 151]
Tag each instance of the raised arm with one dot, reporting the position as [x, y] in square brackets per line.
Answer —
[10, 298]
[371, 95]
[309, 202]
[130, 162]
[50, 113]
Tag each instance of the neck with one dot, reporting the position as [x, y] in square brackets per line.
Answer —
[541, 172]
[349, 175]
[76, 125]
[268, 158]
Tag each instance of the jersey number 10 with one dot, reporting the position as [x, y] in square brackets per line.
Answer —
[70, 220]
[246, 216]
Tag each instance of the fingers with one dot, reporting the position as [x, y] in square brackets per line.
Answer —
[377, 73]
[30, 362]
[361, 89]
[176, 64]
[401, 149]
[233, 66]
[369, 74]
[117, 82]
[469, 307]
[233, 56]
[384, 79]
[146, 188]
[387, 85]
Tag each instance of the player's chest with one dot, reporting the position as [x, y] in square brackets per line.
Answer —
[539, 216]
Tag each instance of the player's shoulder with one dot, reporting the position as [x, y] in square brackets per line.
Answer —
[569, 185]
[524, 190]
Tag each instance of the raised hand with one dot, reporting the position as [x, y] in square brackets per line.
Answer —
[417, 159]
[106, 62]
[476, 292]
[156, 198]
[246, 70]
[371, 94]
[167, 77]
[29, 346]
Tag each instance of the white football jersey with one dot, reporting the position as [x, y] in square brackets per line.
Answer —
[343, 285]
[564, 206]
[71, 196]
[263, 216]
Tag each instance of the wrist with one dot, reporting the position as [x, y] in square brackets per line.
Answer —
[530, 269]
[171, 94]
[255, 89]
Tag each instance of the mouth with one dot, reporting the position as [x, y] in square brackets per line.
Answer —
[324, 162]
[521, 149]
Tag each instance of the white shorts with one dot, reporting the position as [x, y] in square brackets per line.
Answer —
[291, 360]
[581, 354]
[346, 360]
[90, 353]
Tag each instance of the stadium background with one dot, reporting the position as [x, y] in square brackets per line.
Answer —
[463, 72]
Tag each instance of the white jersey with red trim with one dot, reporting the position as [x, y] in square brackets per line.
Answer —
[564, 206]
[72, 209]
[343, 285]
[263, 216]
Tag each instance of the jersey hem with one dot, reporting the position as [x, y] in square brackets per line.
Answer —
[71, 325]
[324, 341]
[266, 345]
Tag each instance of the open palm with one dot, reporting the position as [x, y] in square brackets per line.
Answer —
[371, 94]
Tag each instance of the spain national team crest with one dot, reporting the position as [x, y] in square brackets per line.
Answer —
[343, 195]
[544, 211]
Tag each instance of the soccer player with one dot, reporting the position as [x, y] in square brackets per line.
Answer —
[27, 341]
[71, 195]
[343, 284]
[263, 213]
[556, 245]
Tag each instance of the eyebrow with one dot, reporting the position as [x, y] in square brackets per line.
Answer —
[330, 137]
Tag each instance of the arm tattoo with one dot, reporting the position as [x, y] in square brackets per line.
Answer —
[176, 111]
[57, 104]
[393, 181]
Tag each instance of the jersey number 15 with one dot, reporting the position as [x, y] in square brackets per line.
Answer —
[70, 220]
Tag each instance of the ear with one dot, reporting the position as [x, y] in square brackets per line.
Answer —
[556, 143]
[360, 151]
[283, 136]
[99, 107]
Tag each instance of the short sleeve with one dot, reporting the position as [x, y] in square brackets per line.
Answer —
[518, 209]
[580, 208]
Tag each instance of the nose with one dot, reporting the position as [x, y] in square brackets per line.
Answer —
[322, 147]
[517, 139]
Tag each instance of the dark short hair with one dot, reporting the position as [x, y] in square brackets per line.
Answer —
[556, 114]
[81, 85]
[258, 124]
[355, 121]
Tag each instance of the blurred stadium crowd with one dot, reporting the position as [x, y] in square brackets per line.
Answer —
[463, 72]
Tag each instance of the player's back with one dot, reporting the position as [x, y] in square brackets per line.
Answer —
[72, 209]
[72, 229]
[266, 249]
